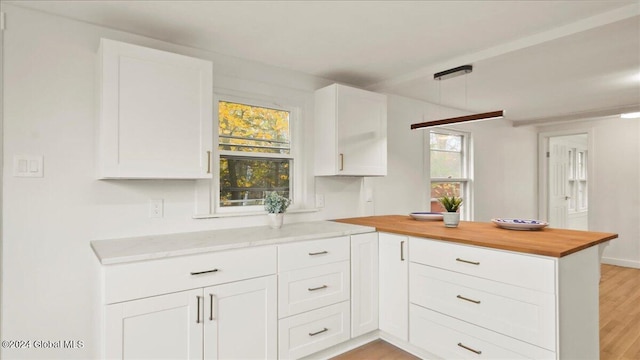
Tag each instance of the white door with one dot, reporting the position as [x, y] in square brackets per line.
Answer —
[394, 285]
[241, 320]
[362, 127]
[160, 327]
[558, 182]
[364, 283]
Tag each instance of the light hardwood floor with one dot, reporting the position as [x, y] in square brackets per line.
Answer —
[619, 321]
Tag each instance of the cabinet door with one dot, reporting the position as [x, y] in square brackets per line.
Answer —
[155, 115]
[350, 131]
[362, 132]
[160, 327]
[364, 283]
[394, 285]
[241, 320]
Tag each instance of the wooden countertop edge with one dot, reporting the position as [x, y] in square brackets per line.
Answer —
[528, 249]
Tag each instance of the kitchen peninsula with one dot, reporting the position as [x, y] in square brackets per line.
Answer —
[320, 288]
[479, 289]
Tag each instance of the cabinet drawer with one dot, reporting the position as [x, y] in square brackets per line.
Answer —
[149, 278]
[449, 338]
[310, 288]
[521, 270]
[521, 313]
[309, 332]
[311, 253]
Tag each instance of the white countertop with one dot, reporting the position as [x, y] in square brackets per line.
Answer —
[116, 251]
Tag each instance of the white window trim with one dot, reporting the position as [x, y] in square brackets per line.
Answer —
[207, 192]
[467, 171]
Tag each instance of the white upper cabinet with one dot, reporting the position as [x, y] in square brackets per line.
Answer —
[155, 114]
[350, 132]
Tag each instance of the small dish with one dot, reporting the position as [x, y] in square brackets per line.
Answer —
[520, 224]
[426, 216]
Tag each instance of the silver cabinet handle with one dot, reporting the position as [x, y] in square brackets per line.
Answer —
[402, 250]
[467, 299]
[318, 332]
[208, 162]
[470, 349]
[198, 305]
[318, 253]
[468, 261]
[204, 272]
[341, 162]
[318, 288]
[211, 307]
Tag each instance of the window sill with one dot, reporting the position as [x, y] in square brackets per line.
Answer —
[253, 213]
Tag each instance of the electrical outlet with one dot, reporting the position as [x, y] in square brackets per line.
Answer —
[319, 201]
[156, 208]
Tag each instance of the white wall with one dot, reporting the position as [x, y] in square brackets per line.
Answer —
[504, 166]
[50, 284]
[614, 191]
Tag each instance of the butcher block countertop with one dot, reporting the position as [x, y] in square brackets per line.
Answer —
[546, 242]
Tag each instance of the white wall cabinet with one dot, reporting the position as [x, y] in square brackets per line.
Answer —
[394, 285]
[350, 132]
[364, 283]
[155, 113]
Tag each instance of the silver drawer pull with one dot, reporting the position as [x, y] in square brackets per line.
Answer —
[204, 272]
[318, 332]
[468, 261]
[467, 299]
[318, 253]
[470, 349]
[318, 288]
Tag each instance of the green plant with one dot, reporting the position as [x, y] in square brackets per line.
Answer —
[450, 203]
[275, 203]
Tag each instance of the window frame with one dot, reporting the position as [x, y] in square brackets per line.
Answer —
[466, 181]
[295, 156]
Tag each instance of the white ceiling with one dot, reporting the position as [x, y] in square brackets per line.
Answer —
[538, 60]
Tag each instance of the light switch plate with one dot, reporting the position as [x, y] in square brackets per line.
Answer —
[28, 166]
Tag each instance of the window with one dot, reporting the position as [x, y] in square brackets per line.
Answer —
[449, 168]
[255, 154]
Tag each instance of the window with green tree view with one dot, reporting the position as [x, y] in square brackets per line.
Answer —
[449, 168]
[254, 144]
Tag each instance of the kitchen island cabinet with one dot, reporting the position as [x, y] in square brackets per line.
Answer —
[481, 290]
[394, 285]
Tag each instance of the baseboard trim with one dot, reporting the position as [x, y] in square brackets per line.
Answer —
[343, 347]
[621, 262]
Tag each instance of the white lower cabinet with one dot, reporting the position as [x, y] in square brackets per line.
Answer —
[304, 334]
[364, 283]
[450, 338]
[394, 285]
[206, 306]
[240, 321]
[314, 288]
[229, 321]
[164, 326]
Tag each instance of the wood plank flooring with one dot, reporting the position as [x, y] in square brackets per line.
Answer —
[619, 321]
[619, 313]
